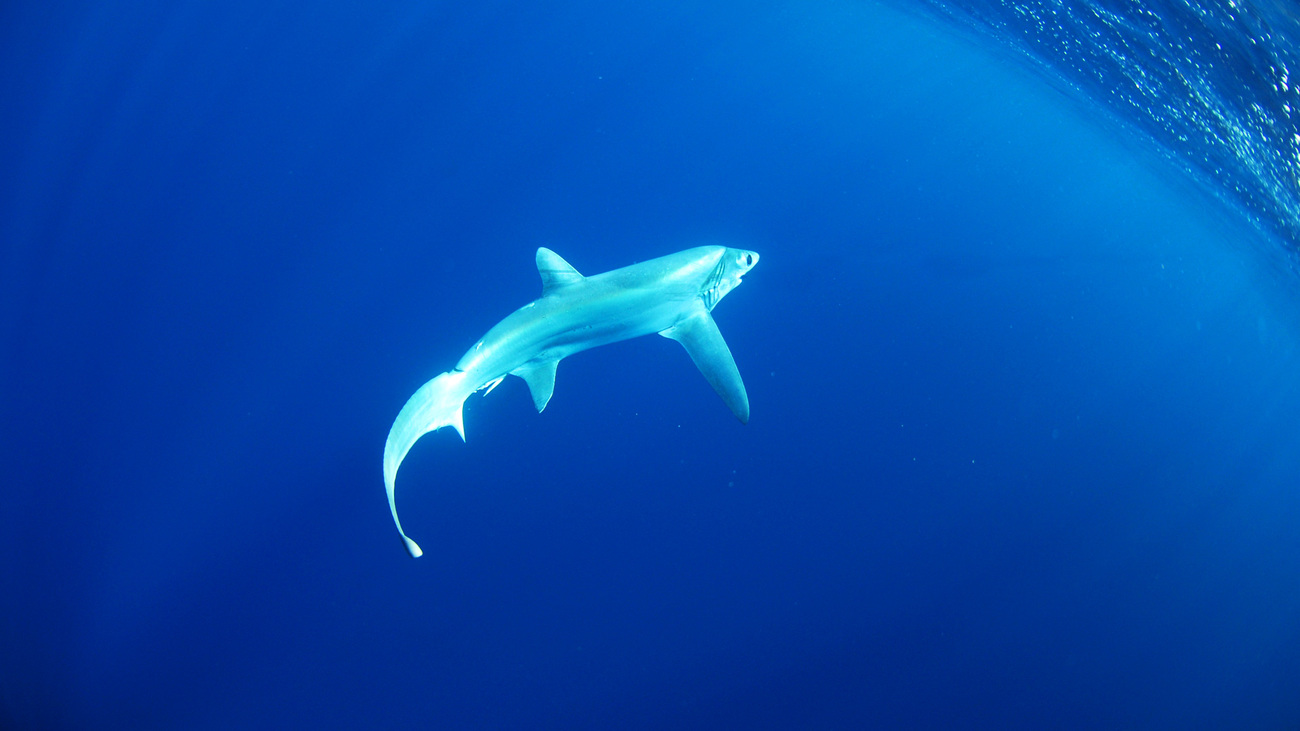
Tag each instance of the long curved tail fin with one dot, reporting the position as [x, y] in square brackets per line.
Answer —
[437, 404]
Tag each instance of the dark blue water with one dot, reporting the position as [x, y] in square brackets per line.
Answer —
[1025, 438]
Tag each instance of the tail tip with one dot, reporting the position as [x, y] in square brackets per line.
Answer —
[412, 548]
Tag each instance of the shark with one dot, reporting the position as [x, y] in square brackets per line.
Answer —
[672, 295]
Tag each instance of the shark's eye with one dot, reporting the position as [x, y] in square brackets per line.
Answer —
[749, 260]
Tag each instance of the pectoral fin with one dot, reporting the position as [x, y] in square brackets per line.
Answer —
[540, 377]
[699, 335]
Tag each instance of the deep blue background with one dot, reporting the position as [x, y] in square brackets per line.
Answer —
[1025, 444]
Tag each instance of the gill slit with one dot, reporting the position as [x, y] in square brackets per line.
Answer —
[711, 290]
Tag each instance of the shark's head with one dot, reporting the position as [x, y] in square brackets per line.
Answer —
[733, 265]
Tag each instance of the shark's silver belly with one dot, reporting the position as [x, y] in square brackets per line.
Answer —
[584, 316]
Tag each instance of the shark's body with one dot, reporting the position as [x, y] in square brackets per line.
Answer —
[672, 295]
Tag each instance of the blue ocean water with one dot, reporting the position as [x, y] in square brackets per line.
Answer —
[1025, 438]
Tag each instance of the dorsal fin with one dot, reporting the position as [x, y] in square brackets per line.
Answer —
[555, 271]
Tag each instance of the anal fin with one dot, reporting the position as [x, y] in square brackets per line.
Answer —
[703, 342]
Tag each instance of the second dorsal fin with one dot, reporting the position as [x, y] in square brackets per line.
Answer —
[555, 271]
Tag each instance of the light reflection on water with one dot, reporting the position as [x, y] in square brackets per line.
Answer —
[1215, 84]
